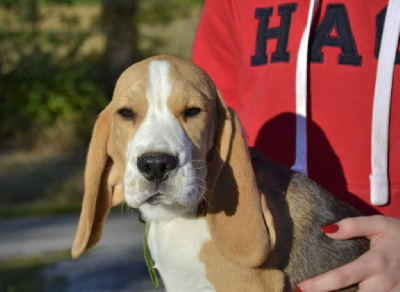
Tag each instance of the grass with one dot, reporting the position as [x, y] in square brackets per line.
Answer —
[26, 278]
[25, 274]
[40, 183]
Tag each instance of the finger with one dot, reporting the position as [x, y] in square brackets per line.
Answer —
[356, 227]
[347, 275]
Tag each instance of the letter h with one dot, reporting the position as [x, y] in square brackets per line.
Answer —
[265, 33]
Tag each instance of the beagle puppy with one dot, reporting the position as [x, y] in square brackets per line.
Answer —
[221, 217]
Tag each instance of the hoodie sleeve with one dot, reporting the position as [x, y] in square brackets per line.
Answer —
[216, 47]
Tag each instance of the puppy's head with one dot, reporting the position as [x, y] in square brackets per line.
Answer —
[164, 143]
[163, 119]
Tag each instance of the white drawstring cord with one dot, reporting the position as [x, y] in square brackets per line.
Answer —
[381, 106]
[300, 164]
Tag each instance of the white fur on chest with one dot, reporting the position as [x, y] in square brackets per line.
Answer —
[175, 247]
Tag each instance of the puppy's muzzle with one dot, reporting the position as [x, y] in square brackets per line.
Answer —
[156, 167]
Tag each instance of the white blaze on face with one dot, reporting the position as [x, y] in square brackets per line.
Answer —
[160, 132]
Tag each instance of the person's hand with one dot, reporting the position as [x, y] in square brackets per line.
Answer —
[376, 270]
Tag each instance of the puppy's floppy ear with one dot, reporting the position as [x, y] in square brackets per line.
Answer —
[236, 216]
[102, 185]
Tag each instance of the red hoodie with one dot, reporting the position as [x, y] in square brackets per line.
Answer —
[250, 49]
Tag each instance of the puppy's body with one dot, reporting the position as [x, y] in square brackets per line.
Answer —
[298, 207]
[220, 220]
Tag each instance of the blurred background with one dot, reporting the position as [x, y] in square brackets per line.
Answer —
[59, 61]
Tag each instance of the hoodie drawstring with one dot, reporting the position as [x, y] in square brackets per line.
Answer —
[381, 107]
[379, 183]
[300, 164]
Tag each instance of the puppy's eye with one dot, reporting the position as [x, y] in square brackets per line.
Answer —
[126, 113]
[191, 112]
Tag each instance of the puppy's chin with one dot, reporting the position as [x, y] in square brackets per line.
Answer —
[163, 212]
[157, 205]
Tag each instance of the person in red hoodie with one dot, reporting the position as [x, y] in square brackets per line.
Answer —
[316, 85]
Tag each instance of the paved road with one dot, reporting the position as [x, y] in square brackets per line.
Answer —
[115, 264]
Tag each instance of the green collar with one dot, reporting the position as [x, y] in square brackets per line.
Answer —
[148, 259]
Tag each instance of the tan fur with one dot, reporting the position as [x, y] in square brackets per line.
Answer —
[227, 276]
[102, 181]
[263, 218]
[191, 88]
[105, 165]
[234, 215]
[241, 225]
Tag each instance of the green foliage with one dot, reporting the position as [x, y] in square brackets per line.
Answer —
[26, 274]
[156, 11]
[21, 279]
[12, 3]
[49, 93]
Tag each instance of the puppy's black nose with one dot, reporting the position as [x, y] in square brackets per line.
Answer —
[156, 166]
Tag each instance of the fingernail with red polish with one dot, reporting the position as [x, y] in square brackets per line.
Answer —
[331, 228]
[298, 289]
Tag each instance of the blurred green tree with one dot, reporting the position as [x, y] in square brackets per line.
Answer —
[49, 92]
[121, 34]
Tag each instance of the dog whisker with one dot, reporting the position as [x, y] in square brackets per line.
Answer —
[184, 149]
[203, 196]
[129, 210]
[201, 167]
[198, 178]
[122, 206]
[201, 163]
[204, 188]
